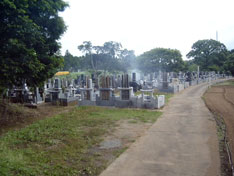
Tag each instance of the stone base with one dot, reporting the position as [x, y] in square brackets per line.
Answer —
[105, 103]
[124, 104]
[70, 101]
[86, 103]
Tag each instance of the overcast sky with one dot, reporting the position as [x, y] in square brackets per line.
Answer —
[142, 25]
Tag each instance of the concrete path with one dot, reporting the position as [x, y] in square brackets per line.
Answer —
[182, 142]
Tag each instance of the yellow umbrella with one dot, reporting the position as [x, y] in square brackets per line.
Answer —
[62, 73]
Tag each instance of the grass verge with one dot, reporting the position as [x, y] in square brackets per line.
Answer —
[226, 83]
[61, 145]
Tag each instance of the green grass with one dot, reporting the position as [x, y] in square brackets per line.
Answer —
[61, 145]
[118, 152]
[167, 96]
[225, 83]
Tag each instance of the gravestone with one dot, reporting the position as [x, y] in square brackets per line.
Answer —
[57, 83]
[165, 81]
[106, 92]
[134, 84]
[133, 77]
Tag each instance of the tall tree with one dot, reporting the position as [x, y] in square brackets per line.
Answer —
[209, 54]
[229, 64]
[72, 63]
[128, 60]
[29, 31]
[163, 59]
[109, 57]
[190, 65]
[87, 49]
[113, 49]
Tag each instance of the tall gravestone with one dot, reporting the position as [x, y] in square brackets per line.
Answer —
[165, 81]
[125, 91]
[133, 77]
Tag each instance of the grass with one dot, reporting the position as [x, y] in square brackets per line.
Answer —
[168, 96]
[17, 116]
[225, 83]
[61, 145]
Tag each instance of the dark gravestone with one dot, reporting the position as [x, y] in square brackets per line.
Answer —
[188, 76]
[87, 95]
[125, 95]
[165, 82]
[105, 95]
[134, 84]
[125, 82]
[133, 77]
[92, 77]
[57, 83]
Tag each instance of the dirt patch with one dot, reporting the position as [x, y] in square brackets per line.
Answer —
[229, 95]
[220, 100]
[119, 139]
[127, 131]
[19, 116]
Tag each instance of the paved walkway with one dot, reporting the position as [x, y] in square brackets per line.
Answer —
[183, 142]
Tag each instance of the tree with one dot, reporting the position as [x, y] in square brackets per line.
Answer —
[169, 60]
[87, 48]
[190, 66]
[29, 50]
[113, 49]
[128, 60]
[109, 57]
[72, 63]
[209, 55]
[229, 64]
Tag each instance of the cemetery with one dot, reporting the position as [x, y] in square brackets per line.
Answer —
[122, 91]
[75, 102]
[84, 96]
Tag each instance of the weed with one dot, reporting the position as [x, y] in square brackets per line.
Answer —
[60, 145]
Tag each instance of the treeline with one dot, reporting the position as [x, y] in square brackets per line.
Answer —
[110, 57]
[209, 55]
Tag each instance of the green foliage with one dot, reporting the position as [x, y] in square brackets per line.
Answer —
[61, 145]
[225, 83]
[169, 60]
[229, 64]
[72, 63]
[29, 32]
[190, 65]
[109, 57]
[128, 60]
[210, 55]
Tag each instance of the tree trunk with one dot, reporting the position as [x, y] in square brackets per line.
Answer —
[92, 63]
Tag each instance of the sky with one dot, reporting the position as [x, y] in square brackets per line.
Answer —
[142, 25]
